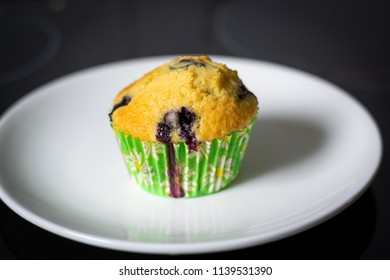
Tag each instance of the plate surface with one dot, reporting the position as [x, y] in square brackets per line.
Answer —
[313, 151]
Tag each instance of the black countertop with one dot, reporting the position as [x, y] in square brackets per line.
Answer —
[344, 42]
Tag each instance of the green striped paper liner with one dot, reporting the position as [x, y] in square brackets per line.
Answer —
[204, 172]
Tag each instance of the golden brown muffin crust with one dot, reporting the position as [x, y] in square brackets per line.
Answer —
[216, 95]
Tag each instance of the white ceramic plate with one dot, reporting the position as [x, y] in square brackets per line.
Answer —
[313, 151]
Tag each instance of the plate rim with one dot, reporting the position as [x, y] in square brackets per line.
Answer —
[180, 248]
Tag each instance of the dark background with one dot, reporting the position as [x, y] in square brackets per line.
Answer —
[345, 42]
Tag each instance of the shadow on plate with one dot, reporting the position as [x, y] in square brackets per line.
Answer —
[278, 143]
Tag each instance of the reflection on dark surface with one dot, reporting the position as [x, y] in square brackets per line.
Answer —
[342, 41]
[36, 31]
[332, 41]
[345, 236]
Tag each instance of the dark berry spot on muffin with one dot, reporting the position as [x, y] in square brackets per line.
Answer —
[125, 101]
[163, 133]
[187, 119]
[182, 121]
[192, 62]
[175, 189]
[186, 63]
[192, 142]
[244, 92]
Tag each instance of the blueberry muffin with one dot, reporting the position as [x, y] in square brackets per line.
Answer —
[183, 127]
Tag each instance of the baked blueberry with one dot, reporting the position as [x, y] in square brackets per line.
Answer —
[125, 101]
[163, 133]
[186, 63]
[244, 92]
[187, 119]
[175, 188]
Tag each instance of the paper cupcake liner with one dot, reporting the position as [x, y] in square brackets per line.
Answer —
[204, 172]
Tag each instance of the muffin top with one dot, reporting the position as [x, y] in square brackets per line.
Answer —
[191, 98]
